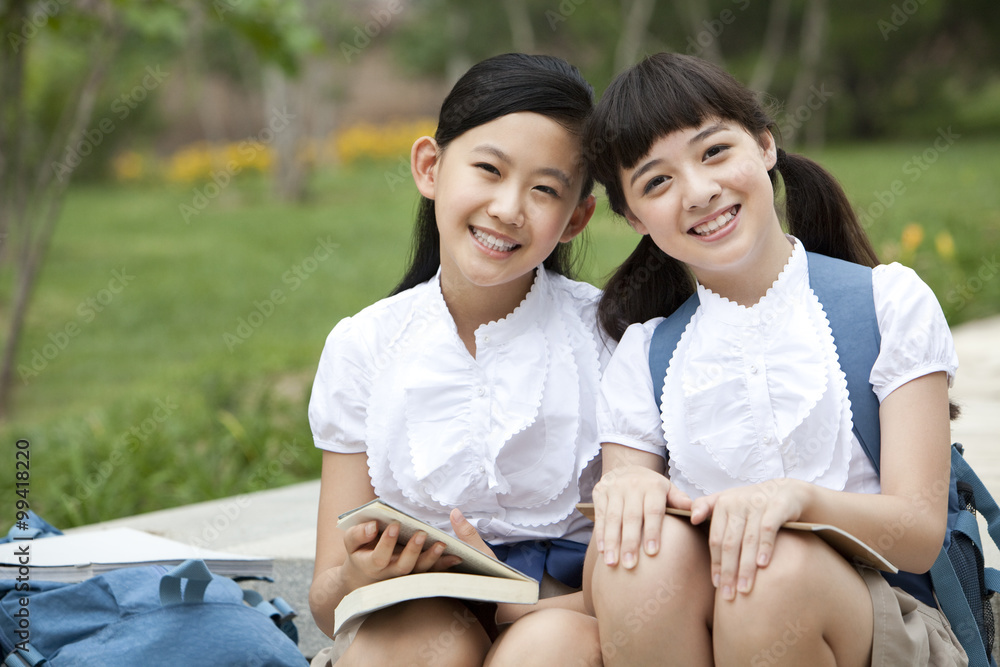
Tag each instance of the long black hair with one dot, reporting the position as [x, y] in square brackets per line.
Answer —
[668, 92]
[496, 87]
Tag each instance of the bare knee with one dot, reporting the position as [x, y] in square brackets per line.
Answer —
[675, 577]
[547, 637]
[435, 631]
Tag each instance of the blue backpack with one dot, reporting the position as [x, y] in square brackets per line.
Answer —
[141, 616]
[958, 578]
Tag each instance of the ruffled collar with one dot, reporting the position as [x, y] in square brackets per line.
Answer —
[787, 288]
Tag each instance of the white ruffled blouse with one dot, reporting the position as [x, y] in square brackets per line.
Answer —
[757, 393]
[509, 437]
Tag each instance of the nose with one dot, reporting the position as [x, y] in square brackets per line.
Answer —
[507, 205]
[701, 190]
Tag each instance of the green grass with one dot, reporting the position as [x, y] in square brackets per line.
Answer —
[104, 445]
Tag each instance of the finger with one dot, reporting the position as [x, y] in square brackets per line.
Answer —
[360, 535]
[385, 547]
[429, 557]
[769, 526]
[612, 533]
[468, 533]
[703, 508]
[732, 540]
[748, 556]
[677, 498]
[652, 522]
[600, 505]
[407, 558]
[633, 515]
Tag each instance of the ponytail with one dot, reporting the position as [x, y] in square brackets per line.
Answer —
[648, 284]
[818, 212]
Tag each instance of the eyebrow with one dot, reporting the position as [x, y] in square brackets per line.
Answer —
[707, 132]
[558, 174]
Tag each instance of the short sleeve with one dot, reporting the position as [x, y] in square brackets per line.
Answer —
[626, 409]
[916, 340]
[341, 390]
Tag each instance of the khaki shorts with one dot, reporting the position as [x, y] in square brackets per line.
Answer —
[907, 631]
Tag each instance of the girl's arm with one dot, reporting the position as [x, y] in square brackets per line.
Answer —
[905, 522]
[346, 560]
[629, 504]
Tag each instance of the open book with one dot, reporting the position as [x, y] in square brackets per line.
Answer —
[478, 577]
[846, 544]
[80, 555]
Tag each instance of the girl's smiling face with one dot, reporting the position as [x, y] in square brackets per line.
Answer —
[505, 193]
[704, 196]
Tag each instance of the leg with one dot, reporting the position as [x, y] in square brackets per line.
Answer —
[548, 637]
[809, 606]
[660, 612]
[433, 632]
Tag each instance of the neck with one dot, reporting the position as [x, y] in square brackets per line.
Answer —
[473, 306]
[748, 283]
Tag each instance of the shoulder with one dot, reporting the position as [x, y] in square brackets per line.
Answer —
[898, 290]
[375, 325]
[577, 293]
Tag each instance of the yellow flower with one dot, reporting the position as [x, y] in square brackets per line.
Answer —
[366, 141]
[945, 245]
[913, 236]
[128, 166]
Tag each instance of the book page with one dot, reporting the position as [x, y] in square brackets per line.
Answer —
[473, 560]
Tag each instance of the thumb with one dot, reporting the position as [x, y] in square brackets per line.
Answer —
[467, 532]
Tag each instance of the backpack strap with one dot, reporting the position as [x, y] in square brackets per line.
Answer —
[664, 341]
[845, 292]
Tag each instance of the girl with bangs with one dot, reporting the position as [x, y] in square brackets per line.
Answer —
[749, 423]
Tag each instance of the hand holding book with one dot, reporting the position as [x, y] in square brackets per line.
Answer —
[475, 574]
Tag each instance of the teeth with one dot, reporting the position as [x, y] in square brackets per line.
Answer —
[706, 228]
[492, 242]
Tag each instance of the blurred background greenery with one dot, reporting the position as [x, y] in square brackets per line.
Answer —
[193, 193]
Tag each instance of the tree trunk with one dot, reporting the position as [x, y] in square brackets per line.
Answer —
[635, 26]
[30, 222]
[774, 45]
[696, 14]
[798, 112]
[521, 33]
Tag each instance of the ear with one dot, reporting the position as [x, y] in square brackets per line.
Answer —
[423, 165]
[635, 222]
[769, 148]
[579, 219]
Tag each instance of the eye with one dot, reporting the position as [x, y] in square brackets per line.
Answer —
[547, 190]
[486, 166]
[716, 150]
[653, 183]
